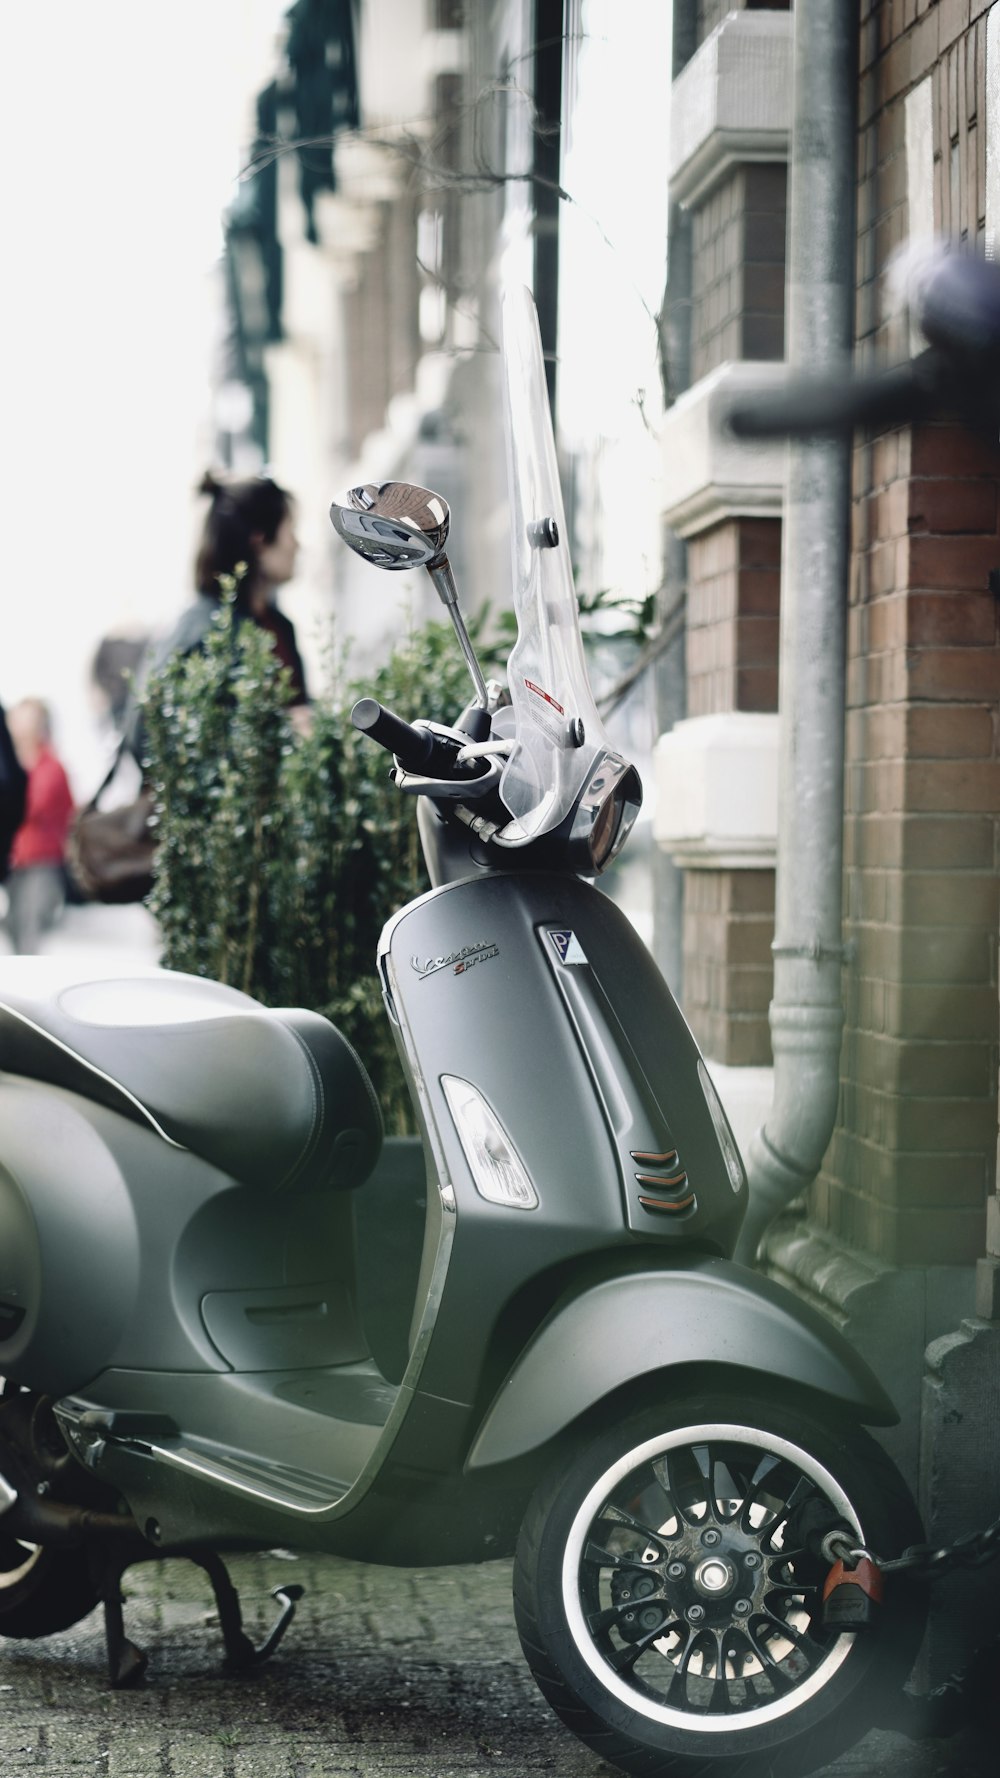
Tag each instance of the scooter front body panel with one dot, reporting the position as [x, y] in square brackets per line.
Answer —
[536, 990]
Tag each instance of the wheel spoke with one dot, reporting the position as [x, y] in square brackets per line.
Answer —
[781, 1681]
[598, 1622]
[761, 1482]
[618, 1516]
[719, 1693]
[723, 1488]
[792, 1586]
[802, 1489]
[779, 1499]
[782, 1624]
[624, 1659]
[600, 1557]
[741, 1650]
[803, 1639]
[683, 1474]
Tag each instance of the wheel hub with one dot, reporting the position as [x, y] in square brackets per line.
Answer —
[709, 1576]
[714, 1577]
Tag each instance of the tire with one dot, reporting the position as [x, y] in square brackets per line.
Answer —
[42, 1590]
[690, 1500]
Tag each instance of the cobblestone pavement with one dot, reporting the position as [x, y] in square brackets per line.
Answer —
[385, 1673]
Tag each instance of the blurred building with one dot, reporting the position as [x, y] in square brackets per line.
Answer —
[364, 273]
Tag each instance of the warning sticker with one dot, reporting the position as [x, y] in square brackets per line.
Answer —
[568, 947]
[547, 696]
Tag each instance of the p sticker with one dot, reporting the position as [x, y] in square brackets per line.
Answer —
[568, 947]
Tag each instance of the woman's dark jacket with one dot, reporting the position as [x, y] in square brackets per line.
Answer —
[190, 633]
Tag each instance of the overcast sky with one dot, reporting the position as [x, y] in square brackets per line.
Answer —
[121, 129]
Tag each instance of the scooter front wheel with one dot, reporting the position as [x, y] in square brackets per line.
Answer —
[669, 1605]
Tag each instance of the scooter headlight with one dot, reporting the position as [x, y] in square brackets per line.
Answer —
[607, 810]
[497, 1170]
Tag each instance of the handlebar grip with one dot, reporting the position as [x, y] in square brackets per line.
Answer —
[413, 747]
[417, 749]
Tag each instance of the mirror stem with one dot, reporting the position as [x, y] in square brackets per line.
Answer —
[444, 581]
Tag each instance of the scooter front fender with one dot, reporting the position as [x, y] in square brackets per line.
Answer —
[701, 1311]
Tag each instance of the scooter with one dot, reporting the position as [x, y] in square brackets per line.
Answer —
[668, 1444]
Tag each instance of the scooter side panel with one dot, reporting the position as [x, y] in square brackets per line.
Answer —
[704, 1311]
[69, 1272]
[473, 978]
[96, 1205]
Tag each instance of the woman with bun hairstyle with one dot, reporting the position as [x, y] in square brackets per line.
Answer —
[249, 523]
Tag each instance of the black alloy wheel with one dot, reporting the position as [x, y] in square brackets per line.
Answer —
[669, 1605]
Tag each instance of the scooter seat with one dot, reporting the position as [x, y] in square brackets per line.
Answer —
[275, 1097]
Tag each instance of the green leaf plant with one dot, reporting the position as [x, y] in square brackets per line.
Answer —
[280, 855]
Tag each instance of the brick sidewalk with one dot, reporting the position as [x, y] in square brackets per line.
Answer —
[385, 1673]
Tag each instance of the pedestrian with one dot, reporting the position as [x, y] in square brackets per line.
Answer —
[249, 523]
[36, 882]
[13, 785]
[248, 538]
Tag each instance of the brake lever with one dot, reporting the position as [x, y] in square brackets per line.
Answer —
[462, 789]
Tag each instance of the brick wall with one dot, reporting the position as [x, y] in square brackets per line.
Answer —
[732, 664]
[738, 269]
[734, 573]
[901, 45]
[913, 1156]
[728, 929]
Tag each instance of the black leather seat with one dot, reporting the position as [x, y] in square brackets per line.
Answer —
[276, 1098]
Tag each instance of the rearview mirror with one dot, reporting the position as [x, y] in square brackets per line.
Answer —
[394, 525]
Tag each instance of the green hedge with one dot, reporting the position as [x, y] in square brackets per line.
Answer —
[280, 856]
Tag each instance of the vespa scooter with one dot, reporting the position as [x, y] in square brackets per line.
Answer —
[667, 1441]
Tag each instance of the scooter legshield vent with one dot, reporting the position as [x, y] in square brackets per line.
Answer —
[668, 1190]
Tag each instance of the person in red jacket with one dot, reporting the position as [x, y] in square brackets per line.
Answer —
[36, 882]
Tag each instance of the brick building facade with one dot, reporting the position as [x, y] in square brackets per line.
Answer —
[898, 1236]
[912, 1161]
[913, 1157]
[729, 177]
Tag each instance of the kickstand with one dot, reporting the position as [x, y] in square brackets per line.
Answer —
[126, 1662]
[241, 1654]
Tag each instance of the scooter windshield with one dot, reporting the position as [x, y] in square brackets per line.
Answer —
[558, 733]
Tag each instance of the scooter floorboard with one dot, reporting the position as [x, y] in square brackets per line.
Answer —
[237, 1429]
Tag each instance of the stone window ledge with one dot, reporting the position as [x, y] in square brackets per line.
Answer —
[709, 476]
[717, 791]
[731, 103]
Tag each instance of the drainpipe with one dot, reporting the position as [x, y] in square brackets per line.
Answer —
[806, 1012]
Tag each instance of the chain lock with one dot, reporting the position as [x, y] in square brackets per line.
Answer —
[925, 1561]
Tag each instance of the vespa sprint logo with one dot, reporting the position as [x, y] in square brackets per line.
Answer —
[459, 962]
